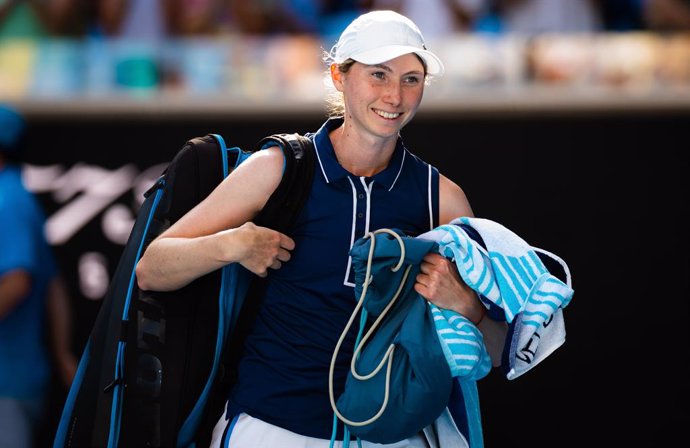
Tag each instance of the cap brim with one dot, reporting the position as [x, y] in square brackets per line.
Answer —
[434, 66]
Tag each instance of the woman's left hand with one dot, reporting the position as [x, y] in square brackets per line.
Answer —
[440, 283]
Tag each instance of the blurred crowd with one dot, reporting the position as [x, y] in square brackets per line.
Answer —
[101, 47]
[151, 19]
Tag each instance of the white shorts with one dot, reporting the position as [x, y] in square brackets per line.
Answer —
[245, 431]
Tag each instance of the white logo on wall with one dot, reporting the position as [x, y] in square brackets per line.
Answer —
[83, 192]
[93, 275]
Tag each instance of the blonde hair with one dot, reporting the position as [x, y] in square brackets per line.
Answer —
[335, 101]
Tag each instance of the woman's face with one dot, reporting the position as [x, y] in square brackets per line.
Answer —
[380, 99]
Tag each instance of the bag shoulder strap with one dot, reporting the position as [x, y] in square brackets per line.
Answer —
[281, 209]
[197, 168]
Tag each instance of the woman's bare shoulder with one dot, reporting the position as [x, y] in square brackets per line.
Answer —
[453, 202]
[237, 199]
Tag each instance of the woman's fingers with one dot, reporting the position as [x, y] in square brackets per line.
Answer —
[286, 242]
[283, 255]
[265, 249]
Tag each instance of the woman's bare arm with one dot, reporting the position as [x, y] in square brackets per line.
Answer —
[440, 283]
[218, 231]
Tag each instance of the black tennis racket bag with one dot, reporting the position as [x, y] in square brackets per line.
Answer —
[154, 360]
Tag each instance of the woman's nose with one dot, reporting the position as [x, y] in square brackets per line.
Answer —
[393, 94]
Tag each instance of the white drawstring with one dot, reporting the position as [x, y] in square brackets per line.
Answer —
[388, 356]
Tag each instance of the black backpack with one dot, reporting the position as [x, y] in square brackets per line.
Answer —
[155, 365]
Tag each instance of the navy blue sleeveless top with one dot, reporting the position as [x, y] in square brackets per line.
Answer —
[283, 371]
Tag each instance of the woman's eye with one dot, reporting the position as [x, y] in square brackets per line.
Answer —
[412, 80]
[379, 75]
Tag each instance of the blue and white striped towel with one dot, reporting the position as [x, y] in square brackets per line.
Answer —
[511, 275]
[462, 344]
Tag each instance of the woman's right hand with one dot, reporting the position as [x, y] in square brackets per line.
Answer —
[260, 248]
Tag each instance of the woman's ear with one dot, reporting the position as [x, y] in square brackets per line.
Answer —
[336, 77]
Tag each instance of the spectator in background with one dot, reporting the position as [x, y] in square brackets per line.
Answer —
[198, 17]
[531, 17]
[32, 297]
[208, 17]
[335, 15]
[666, 15]
[128, 39]
[135, 19]
[40, 18]
[148, 18]
[621, 15]
[435, 18]
[325, 18]
[652, 15]
[276, 16]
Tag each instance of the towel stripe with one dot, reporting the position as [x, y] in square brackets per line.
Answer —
[462, 344]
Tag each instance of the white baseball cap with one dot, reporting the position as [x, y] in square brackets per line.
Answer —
[379, 36]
